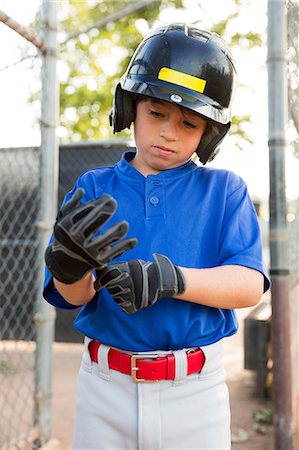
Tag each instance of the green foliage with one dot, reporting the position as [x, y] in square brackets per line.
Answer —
[248, 40]
[237, 129]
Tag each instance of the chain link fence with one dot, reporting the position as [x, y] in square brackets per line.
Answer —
[19, 247]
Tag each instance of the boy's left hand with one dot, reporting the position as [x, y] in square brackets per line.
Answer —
[76, 249]
[138, 284]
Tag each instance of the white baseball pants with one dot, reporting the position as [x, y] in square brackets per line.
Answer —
[115, 413]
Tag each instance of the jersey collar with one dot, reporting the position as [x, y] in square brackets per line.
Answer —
[126, 169]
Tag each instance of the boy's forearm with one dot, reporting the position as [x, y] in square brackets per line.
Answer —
[223, 287]
[78, 293]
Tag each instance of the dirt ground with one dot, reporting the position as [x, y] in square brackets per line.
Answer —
[247, 432]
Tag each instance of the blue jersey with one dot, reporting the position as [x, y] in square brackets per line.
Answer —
[200, 218]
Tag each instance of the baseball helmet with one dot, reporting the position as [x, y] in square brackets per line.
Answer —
[181, 64]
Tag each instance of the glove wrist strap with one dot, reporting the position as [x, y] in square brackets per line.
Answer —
[172, 280]
[181, 281]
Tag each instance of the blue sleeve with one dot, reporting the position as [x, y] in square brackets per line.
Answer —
[52, 296]
[241, 242]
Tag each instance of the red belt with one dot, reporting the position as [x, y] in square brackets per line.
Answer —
[149, 367]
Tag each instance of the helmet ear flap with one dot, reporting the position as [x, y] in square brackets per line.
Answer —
[210, 142]
[123, 110]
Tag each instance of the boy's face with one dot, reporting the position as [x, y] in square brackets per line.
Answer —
[166, 135]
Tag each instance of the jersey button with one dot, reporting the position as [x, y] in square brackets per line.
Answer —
[154, 200]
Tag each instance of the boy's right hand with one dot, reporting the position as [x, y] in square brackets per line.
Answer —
[75, 250]
[138, 284]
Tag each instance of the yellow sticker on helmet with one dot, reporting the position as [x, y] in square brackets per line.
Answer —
[182, 79]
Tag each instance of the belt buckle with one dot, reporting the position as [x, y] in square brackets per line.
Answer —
[134, 368]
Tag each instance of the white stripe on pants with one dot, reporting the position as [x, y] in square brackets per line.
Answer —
[115, 413]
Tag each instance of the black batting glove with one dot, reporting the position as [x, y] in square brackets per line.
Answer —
[75, 250]
[138, 284]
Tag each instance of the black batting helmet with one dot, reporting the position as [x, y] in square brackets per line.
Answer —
[181, 64]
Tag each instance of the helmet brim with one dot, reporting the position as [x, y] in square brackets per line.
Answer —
[179, 95]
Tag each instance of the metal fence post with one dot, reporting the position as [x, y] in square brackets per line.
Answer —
[280, 275]
[45, 314]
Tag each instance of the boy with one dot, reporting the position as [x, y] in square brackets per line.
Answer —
[154, 318]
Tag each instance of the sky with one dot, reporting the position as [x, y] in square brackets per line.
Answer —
[18, 117]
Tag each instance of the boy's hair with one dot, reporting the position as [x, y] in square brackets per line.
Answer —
[186, 66]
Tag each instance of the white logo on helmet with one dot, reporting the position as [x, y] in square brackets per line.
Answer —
[176, 98]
